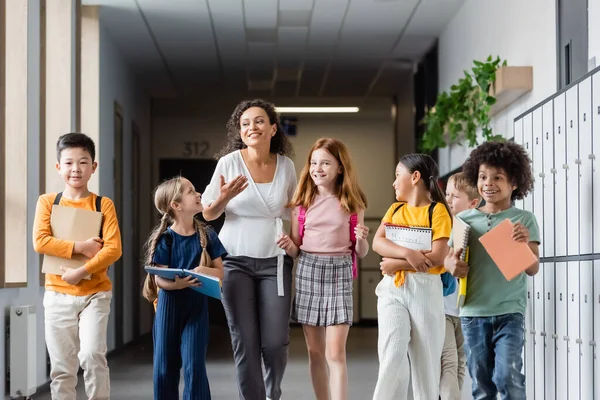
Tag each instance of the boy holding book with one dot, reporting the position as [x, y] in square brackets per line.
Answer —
[493, 314]
[77, 304]
[460, 196]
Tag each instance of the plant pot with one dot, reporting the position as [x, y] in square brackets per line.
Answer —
[511, 83]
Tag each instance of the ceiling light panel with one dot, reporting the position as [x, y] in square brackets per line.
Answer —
[296, 4]
[316, 110]
[294, 18]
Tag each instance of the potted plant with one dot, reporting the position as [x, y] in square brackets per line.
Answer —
[459, 112]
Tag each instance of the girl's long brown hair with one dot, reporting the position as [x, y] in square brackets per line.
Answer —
[351, 196]
[164, 195]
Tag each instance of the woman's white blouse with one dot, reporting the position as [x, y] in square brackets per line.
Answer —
[253, 221]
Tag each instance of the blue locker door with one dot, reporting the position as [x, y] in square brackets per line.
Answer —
[560, 176]
[586, 295]
[562, 361]
[547, 178]
[596, 339]
[518, 132]
[572, 172]
[585, 167]
[528, 144]
[573, 333]
[550, 332]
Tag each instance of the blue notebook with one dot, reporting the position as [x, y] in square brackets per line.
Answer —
[211, 285]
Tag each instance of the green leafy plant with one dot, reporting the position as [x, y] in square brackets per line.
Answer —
[463, 109]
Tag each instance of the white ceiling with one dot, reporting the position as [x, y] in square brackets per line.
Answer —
[274, 47]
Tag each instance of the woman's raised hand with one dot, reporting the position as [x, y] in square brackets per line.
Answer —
[234, 187]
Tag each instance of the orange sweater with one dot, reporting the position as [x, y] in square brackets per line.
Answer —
[45, 243]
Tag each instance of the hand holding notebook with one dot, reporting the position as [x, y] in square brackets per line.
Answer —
[74, 224]
[211, 285]
[460, 238]
[511, 257]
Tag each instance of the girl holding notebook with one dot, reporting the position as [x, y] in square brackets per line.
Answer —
[410, 300]
[493, 314]
[327, 234]
[181, 322]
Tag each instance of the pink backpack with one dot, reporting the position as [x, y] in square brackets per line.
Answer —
[353, 223]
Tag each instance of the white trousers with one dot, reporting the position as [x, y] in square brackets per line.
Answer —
[76, 335]
[411, 336]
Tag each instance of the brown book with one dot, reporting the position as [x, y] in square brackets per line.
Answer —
[510, 256]
[74, 224]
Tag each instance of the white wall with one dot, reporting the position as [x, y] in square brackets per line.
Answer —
[117, 83]
[368, 134]
[594, 30]
[522, 32]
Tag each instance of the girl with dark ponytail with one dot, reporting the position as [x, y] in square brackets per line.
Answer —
[410, 301]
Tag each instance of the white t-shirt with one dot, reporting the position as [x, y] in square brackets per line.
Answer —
[253, 221]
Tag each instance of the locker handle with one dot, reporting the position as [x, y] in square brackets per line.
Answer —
[548, 295]
[571, 123]
[532, 332]
[553, 170]
[560, 298]
[592, 156]
[584, 116]
[546, 135]
[572, 297]
[559, 126]
[538, 295]
[579, 341]
[578, 161]
[542, 333]
[565, 166]
[566, 338]
[554, 336]
[592, 343]
[542, 175]
[585, 298]
[598, 110]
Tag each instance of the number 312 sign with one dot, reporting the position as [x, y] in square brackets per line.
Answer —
[195, 149]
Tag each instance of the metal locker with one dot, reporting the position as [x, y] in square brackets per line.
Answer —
[596, 166]
[573, 333]
[538, 166]
[529, 358]
[518, 132]
[562, 362]
[547, 179]
[585, 167]
[528, 144]
[537, 334]
[586, 312]
[572, 172]
[549, 333]
[596, 339]
[560, 177]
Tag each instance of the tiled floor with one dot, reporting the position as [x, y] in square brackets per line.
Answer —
[131, 372]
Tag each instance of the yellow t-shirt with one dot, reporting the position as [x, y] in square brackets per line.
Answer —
[441, 226]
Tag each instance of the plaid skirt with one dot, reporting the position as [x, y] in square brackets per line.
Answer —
[323, 290]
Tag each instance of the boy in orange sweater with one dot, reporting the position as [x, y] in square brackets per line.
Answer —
[77, 309]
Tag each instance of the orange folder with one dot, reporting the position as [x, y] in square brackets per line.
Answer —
[510, 256]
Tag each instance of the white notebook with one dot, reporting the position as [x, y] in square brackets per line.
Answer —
[415, 238]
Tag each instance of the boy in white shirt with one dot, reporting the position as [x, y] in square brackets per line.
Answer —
[460, 196]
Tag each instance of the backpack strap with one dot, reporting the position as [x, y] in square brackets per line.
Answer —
[57, 199]
[99, 209]
[396, 210]
[353, 223]
[301, 221]
[431, 208]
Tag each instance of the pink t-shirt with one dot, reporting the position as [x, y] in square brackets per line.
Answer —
[327, 228]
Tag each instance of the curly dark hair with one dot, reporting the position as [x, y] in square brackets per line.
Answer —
[509, 156]
[279, 143]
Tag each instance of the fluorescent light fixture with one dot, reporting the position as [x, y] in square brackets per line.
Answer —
[296, 110]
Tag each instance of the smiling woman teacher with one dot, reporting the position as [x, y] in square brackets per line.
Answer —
[253, 182]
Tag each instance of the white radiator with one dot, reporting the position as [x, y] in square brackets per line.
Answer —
[22, 351]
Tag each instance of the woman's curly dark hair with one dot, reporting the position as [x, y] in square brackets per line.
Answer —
[509, 156]
[279, 142]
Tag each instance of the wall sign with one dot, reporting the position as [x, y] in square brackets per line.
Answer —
[195, 149]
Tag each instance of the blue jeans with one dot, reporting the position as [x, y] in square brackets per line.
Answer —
[494, 346]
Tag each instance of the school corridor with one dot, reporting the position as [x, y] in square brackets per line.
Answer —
[153, 83]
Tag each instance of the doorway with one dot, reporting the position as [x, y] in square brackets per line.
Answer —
[118, 287]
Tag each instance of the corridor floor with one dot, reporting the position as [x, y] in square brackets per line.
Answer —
[131, 371]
